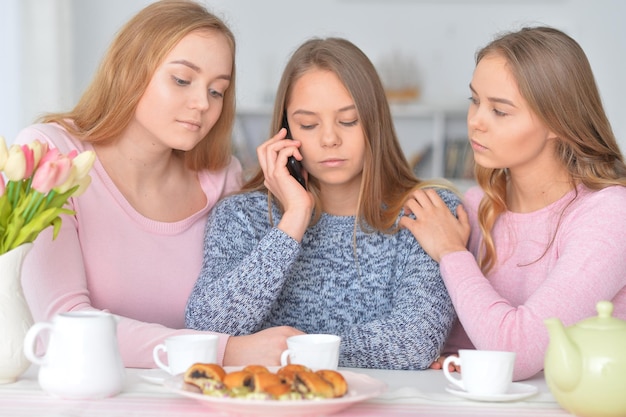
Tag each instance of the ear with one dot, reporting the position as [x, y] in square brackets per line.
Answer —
[551, 135]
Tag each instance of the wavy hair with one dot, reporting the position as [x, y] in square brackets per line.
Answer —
[387, 177]
[555, 78]
[108, 104]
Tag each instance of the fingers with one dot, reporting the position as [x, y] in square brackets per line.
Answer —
[273, 153]
[462, 216]
[438, 364]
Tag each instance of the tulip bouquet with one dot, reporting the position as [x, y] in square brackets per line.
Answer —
[35, 184]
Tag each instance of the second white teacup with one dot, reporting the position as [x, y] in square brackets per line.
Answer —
[185, 350]
[316, 351]
[483, 372]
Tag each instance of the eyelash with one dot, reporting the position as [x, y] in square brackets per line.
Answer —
[180, 81]
[345, 124]
[183, 83]
[216, 93]
[495, 111]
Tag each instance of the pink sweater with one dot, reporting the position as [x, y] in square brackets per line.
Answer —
[586, 263]
[110, 257]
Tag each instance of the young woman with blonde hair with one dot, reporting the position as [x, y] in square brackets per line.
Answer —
[159, 115]
[328, 257]
[548, 219]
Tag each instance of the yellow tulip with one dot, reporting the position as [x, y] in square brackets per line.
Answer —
[83, 163]
[15, 165]
[4, 152]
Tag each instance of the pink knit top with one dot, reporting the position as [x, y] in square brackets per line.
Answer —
[108, 256]
[533, 279]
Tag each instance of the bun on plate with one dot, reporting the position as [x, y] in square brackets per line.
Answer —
[201, 374]
[291, 382]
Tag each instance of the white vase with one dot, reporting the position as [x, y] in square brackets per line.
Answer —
[15, 316]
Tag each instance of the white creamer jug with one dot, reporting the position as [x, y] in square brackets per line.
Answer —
[82, 358]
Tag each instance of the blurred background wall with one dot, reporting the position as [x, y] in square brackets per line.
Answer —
[49, 49]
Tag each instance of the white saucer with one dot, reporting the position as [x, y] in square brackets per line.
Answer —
[516, 392]
[154, 376]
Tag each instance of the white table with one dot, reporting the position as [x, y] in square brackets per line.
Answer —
[409, 393]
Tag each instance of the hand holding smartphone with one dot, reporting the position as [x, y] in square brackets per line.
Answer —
[293, 165]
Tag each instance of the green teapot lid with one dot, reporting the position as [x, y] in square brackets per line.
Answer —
[604, 320]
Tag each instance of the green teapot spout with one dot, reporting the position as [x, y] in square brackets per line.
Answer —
[563, 363]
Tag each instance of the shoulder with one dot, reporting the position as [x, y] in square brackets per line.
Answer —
[473, 195]
[449, 197]
[615, 192]
[53, 134]
[249, 202]
[607, 200]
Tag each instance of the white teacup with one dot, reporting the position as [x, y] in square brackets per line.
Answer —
[483, 372]
[185, 350]
[316, 351]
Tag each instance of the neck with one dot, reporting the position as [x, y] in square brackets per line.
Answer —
[339, 200]
[531, 193]
[131, 164]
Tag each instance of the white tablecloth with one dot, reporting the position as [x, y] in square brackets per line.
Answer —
[409, 393]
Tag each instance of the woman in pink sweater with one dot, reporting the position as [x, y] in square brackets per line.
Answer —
[549, 218]
[159, 116]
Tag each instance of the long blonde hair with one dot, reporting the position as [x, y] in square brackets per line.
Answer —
[556, 80]
[108, 105]
[387, 177]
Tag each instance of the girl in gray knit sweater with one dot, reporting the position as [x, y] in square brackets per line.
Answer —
[328, 257]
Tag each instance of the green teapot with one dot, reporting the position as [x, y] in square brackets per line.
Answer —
[585, 364]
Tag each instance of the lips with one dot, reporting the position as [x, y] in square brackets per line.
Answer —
[190, 124]
[332, 162]
[477, 146]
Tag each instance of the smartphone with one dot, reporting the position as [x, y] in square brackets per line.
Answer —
[293, 165]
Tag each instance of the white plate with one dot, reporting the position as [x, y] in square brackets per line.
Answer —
[154, 376]
[360, 388]
[516, 392]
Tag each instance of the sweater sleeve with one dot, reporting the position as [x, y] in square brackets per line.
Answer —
[414, 332]
[584, 264]
[243, 271]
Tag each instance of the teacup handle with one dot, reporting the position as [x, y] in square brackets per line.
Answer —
[284, 357]
[157, 359]
[30, 341]
[452, 359]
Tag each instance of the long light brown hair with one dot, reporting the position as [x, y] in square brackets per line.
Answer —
[555, 78]
[387, 177]
[108, 105]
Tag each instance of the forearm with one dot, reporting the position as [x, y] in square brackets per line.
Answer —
[245, 289]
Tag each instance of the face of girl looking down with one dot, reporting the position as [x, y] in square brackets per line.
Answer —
[185, 96]
[323, 117]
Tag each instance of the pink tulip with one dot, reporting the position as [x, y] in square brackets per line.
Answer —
[51, 174]
[2, 185]
[51, 154]
[29, 157]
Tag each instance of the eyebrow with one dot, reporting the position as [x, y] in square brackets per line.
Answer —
[495, 99]
[343, 109]
[197, 68]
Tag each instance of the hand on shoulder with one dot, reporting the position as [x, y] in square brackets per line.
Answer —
[435, 227]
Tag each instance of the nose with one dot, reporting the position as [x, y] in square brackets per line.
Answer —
[330, 137]
[199, 99]
[474, 117]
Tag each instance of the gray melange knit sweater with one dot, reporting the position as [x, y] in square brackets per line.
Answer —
[384, 296]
